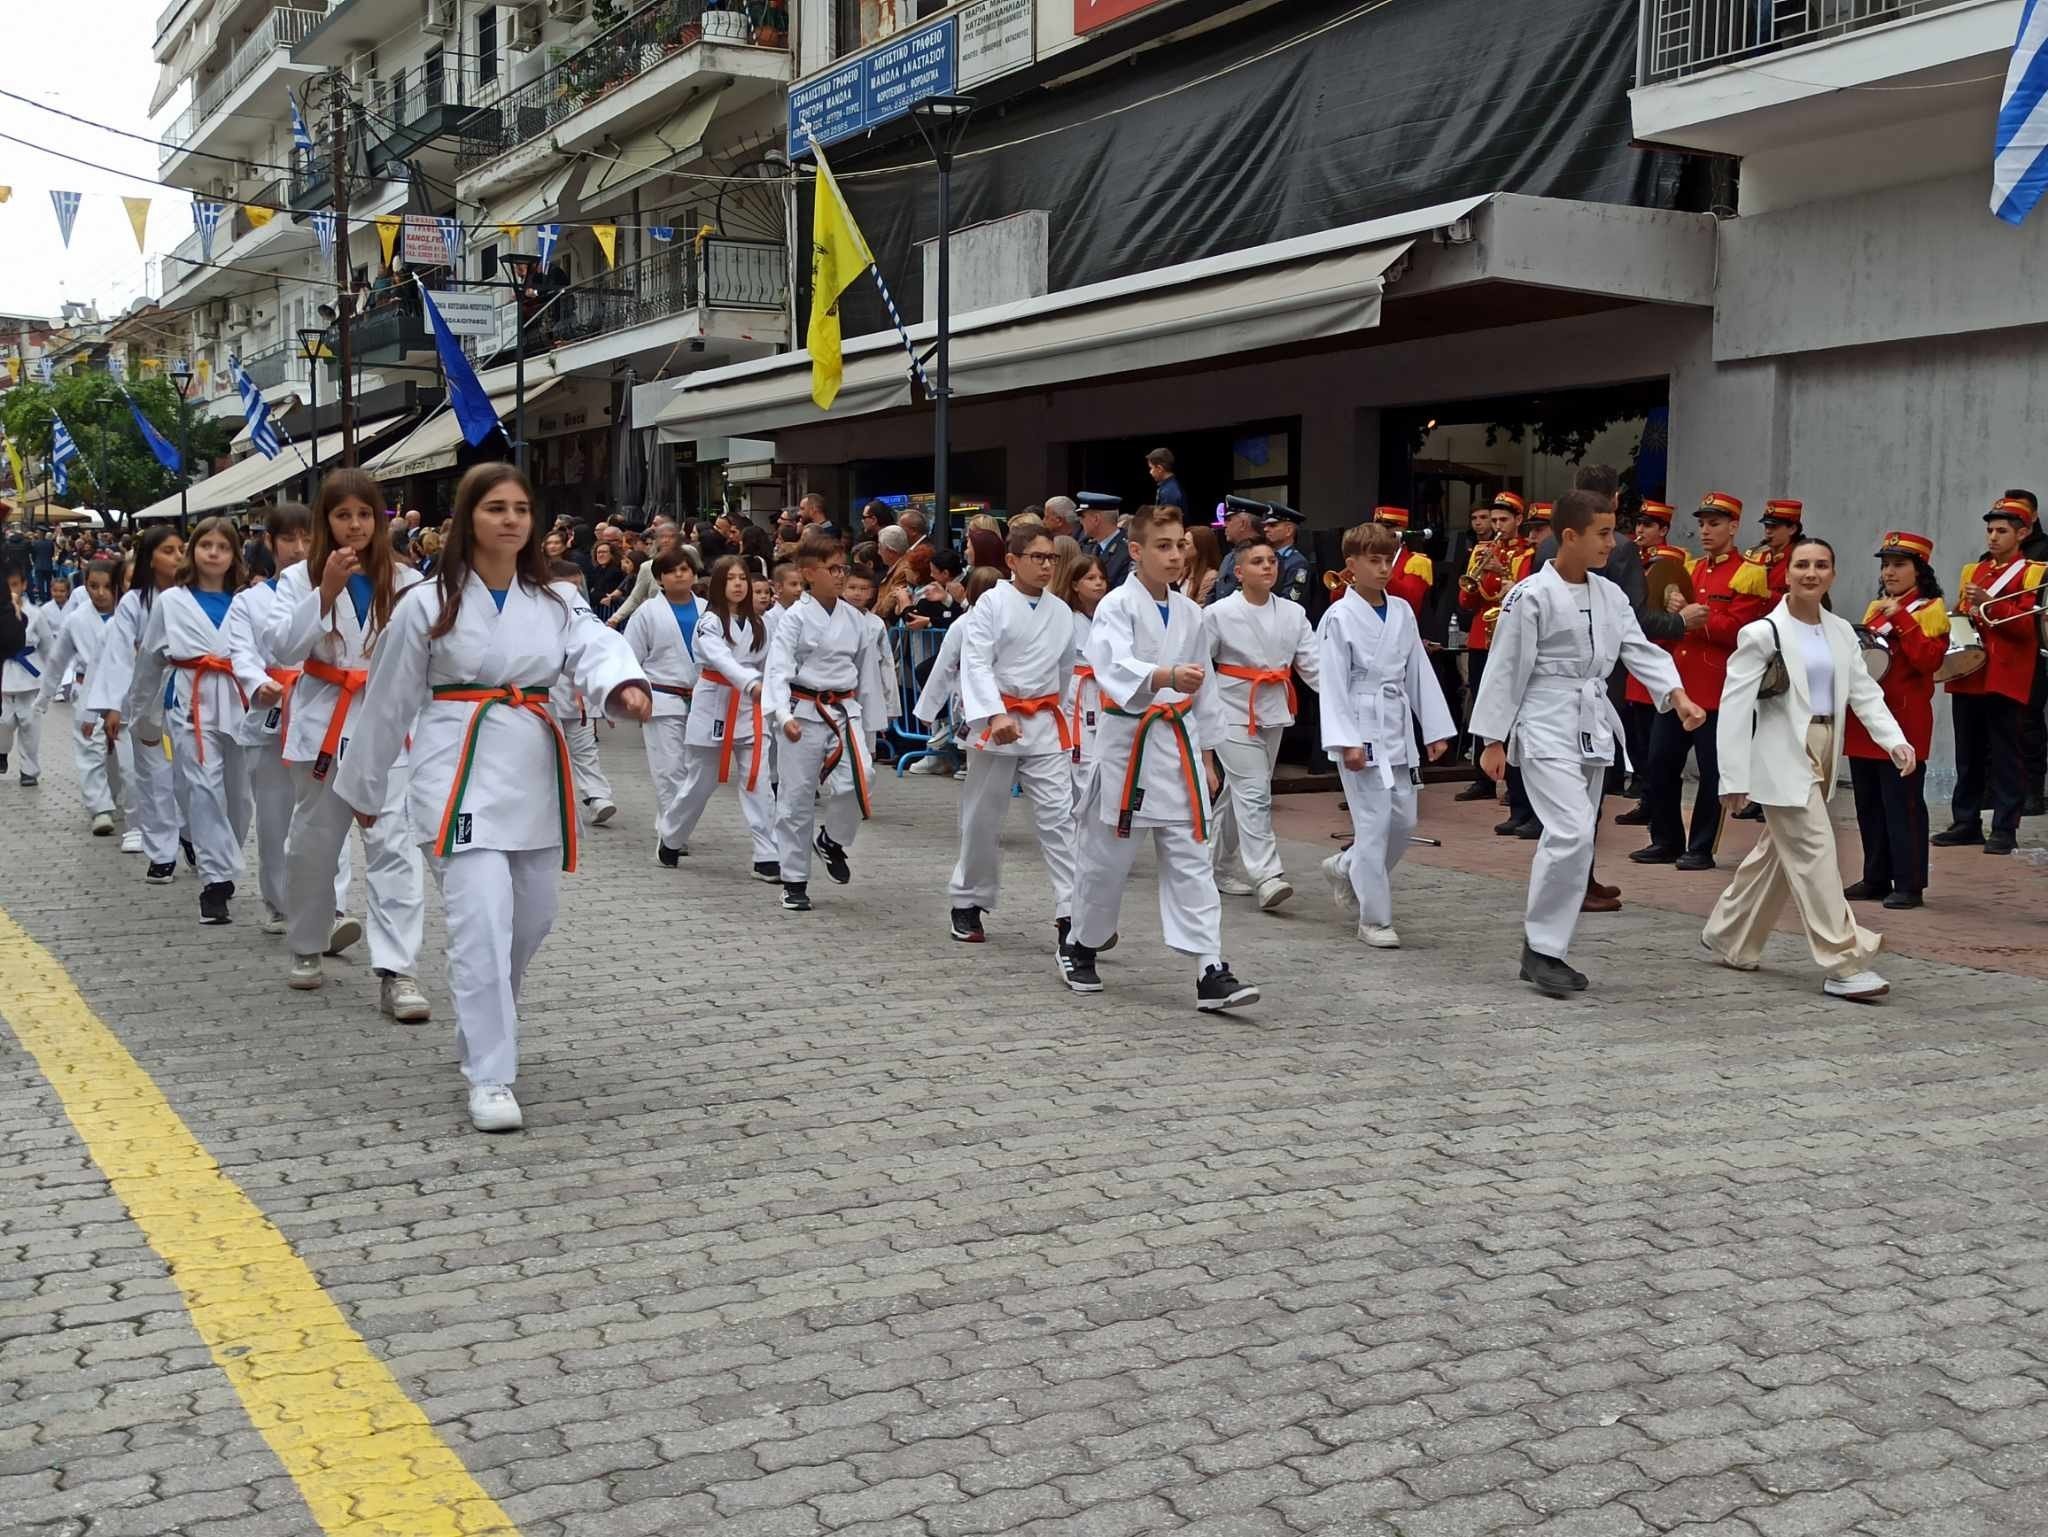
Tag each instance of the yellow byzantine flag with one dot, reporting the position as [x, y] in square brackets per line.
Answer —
[20, 474]
[839, 255]
[387, 233]
[607, 242]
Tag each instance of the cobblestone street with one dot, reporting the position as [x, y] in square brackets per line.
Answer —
[822, 1223]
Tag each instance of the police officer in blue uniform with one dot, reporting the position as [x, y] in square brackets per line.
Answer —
[1297, 580]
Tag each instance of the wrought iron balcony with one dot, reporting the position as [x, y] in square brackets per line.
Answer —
[723, 274]
[274, 34]
[1684, 37]
[275, 364]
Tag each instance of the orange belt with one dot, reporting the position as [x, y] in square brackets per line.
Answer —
[535, 702]
[732, 721]
[827, 700]
[286, 678]
[1256, 676]
[350, 681]
[1082, 674]
[1040, 705]
[198, 666]
[1175, 717]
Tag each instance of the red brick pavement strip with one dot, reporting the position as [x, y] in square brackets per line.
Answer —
[1981, 911]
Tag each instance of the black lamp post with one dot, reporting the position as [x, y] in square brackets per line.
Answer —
[181, 376]
[943, 122]
[313, 345]
[520, 269]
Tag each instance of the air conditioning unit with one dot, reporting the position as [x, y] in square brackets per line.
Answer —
[566, 10]
[220, 190]
[362, 66]
[525, 29]
[438, 18]
[240, 317]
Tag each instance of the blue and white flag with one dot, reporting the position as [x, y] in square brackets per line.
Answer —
[2019, 166]
[166, 451]
[451, 239]
[662, 232]
[255, 412]
[62, 452]
[301, 140]
[66, 204]
[544, 237]
[323, 227]
[467, 397]
[117, 364]
[46, 370]
[207, 216]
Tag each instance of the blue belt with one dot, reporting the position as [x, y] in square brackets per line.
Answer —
[21, 659]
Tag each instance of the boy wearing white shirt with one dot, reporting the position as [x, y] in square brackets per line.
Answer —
[71, 653]
[1256, 641]
[1375, 675]
[1016, 653]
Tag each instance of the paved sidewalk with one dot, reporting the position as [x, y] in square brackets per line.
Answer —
[826, 1224]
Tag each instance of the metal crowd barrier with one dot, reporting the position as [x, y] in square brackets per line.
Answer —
[915, 651]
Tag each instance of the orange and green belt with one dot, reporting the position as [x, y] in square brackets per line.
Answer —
[486, 697]
[1174, 717]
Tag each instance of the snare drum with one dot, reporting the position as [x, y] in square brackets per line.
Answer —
[1965, 651]
[1877, 651]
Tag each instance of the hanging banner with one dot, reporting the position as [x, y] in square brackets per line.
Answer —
[388, 225]
[451, 239]
[607, 242]
[138, 216]
[422, 245]
[544, 238]
[66, 204]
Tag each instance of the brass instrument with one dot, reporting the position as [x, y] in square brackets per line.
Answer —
[1661, 578]
[2015, 595]
[1496, 564]
[1334, 582]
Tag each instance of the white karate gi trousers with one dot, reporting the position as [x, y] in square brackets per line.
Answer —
[319, 837]
[663, 738]
[21, 732]
[1048, 784]
[1566, 796]
[591, 785]
[700, 783]
[216, 800]
[1241, 833]
[499, 905]
[275, 794]
[1382, 817]
[96, 767]
[1190, 912]
[159, 799]
[798, 793]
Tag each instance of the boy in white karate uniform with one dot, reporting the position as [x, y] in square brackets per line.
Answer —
[1375, 674]
[1016, 654]
[579, 726]
[71, 655]
[663, 636]
[21, 679]
[1147, 648]
[1257, 640]
[1555, 645]
[823, 687]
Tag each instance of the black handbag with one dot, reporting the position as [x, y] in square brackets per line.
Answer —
[1777, 676]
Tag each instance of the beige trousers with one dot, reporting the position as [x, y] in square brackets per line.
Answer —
[1795, 857]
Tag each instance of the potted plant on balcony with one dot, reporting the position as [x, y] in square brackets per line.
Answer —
[726, 22]
[772, 31]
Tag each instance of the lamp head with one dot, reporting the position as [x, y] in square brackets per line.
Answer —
[943, 122]
[312, 341]
[520, 266]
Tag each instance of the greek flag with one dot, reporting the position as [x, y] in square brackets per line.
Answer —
[662, 232]
[301, 140]
[323, 227]
[62, 452]
[255, 414]
[66, 204]
[544, 238]
[207, 216]
[451, 239]
[2019, 167]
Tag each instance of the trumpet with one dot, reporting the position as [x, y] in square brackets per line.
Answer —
[1493, 565]
[2027, 597]
[1334, 582]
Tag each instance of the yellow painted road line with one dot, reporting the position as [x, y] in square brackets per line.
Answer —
[366, 1459]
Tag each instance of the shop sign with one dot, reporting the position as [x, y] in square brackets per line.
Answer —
[996, 36]
[876, 88]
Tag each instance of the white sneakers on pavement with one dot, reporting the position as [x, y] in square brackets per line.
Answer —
[1273, 891]
[103, 824]
[1340, 885]
[305, 973]
[273, 920]
[492, 1108]
[1863, 987]
[1380, 936]
[601, 812]
[401, 998]
[1232, 886]
[346, 931]
[131, 842]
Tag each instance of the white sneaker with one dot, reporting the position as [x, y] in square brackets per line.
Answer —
[1273, 891]
[1380, 936]
[930, 763]
[602, 812]
[1715, 957]
[492, 1108]
[346, 931]
[1340, 884]
[1864, 987]
[305, 973]
[401, 998]
[103, 824]
[273, 920]
[131, 842]
[1231, 886]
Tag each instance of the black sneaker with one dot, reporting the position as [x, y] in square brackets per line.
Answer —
[1750, 813]
[1958, 835]
[768, 870]
[1530, 830]
[1693, 859]
[1219, 989]
[835, 859]
[161, 875]
[1549, 975]
[967, 925]
[1865, 891]
[1077, 967]
[1899, 901]
[213, 902]
[1654, 854]
[1478, 790]
[1635, 816]
[3, 762]
[1511, 828]
[191, 855]
[2000, 843]
[30, 781]
[795, 897]
[669, 857]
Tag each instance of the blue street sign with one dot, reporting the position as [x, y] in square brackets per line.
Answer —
[876, 88]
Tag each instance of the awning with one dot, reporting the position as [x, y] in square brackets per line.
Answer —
[253, 476]
[648, 155]
[534, 203]
[1286, 292]
[434, 444]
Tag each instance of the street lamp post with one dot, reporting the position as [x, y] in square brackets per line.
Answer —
[181, 376]
[520, 267]
[943, 122]
[313, 344]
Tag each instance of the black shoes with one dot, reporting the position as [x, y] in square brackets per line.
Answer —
[1750, 813]
[835, 859]
[1529, 830]
[1864, 891]
[1511, 828]
[1958, 835]
[796, 897]
[191, 855]
[1999, 843]
[213, 901]
[1549, 975]
[1691, 860]
[1654, 854]
[1077, 965]
[669, 857]
[1637, 815]
[2036, 805]
[768, 870]
[1219, 989]
[967, 925]
[1478, 790]
[1899, 901]
[161, 875]
[29, 781]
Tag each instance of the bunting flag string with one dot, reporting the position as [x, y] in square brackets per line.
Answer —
[323, 228]
[257, 215]
[545, 236]
[662, 232]
[607, 242]
[451, 239]
[388, 226]
[138, 218]
[206, 215]
[66, 204]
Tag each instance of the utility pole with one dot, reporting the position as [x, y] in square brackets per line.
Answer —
[344, 299]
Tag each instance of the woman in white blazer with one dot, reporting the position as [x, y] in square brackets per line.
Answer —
[1783, 753]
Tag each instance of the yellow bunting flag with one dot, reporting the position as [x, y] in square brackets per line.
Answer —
[511, 231]
[6, 193]
[205, 371]
[839, 255]
[607, 242]
[388, 225]
[14, 463]
[138, 216]
[257, 217]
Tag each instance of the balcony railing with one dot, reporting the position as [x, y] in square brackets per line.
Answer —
[275, 364]
[624, 52]
[1683, 37]
[279, 30]
[725, 274]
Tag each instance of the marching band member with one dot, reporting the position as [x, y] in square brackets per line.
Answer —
[1414, 576]
[1891, 807]
[464, 665]
[1522, 820]
[73, 654]
[725, 737]
[1376, 684]
[1256, 641]
[1729, 591]
[1487, 578]
[326, 619]
[154, 807]
[1016, 657]
[1999, 596]
[1782, 524]
[188, 636]
[1782, 750]
[663, 637]
[1559, 636]
[1653, 543]
[1081, 586]
[1147, 649]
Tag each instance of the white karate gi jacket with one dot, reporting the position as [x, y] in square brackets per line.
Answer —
[656, 636]
[1274, 636]
[1375, 672]
[826, 653]
[75, 648]
[738, 660]
[178, 629]
[297, 631]
[1126, 643]
[1011, 647]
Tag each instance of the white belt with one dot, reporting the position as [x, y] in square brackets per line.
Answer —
[1595, 710]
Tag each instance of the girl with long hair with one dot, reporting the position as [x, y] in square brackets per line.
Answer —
[1203, 555]
[1081, 583]
[152, 805]
[327, 619]
[465, 668]
[212, 683]
[724, 738]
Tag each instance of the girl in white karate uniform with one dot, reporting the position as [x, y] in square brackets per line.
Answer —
[663, 636]
[155, 806]
[725, 737]
[186, 640]
[21, 680]
[465, 666]
[326, 618]
[72, 656]
[1081, 585]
